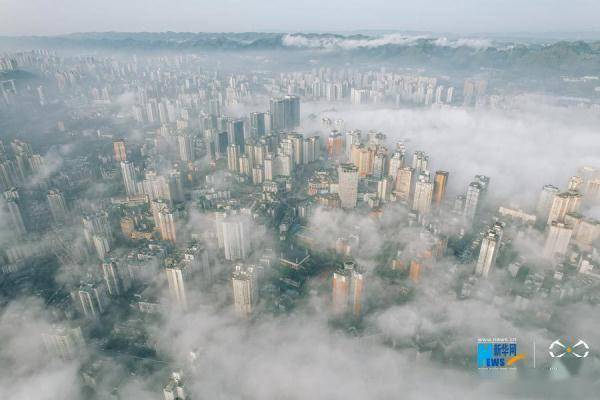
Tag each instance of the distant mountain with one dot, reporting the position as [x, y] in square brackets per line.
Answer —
[556, 57]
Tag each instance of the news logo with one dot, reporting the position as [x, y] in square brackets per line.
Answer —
[497, 353]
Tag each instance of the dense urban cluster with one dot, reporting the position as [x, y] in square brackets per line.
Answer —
[169, 183]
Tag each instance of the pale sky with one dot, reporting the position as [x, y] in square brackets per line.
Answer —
[41, 17]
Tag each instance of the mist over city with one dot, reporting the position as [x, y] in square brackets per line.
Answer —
[223, 200]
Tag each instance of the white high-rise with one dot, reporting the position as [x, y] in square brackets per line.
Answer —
[129, 179]
[233, 156]
[563, 204]
[63, 343]
[91, 299]
[558, 239]
[58, 206]
[395, 163]
[16, 217]
[268, 166]
[420, 162]
[116, 277]
[545, 202]
[489, 251]
[245, 289]
[310, 149]
[472, 200]
[176, 277]
[186, 147]
[233, 232]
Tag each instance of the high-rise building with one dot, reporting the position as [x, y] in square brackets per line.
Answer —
[116, 277]
[380, 163]
[348, 287]
[545, 202]
[473, 200]
[245, 289]
[488, 253]
[260, 152]
[63, 343]
[9, 176]
[364, 158]
[196, 260]
[420, 162]
[120, 150]
[186, 147]
[58, 206]
[396, 162]
[176, 276]
[404, 187]
[176, 186]
[156, 187]
[439, 187]
[310, 149]
[233, 157]
[348, 185]
[221, 144]
[285, 113]
[283, 165]
[352, 138]
[268, 167]
[359, 96]
[129, 178]
[473, 91]
[16, 218]
[258, 126]
[250, 152]
[233, 232]
[96, 224]
[592, 190]
[244, 165]
[335, 144]
[563, 204]
[101, 245]
[91, 299]
[423, 194]
[166, 223]
[297, 142]
[235, 133]
[384, 188]
[268, 123]
[257, 175]
[586, 231]
[558, 239]
[459, 204]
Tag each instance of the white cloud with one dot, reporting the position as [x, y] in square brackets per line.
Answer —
[346, 43]
[522, 147]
